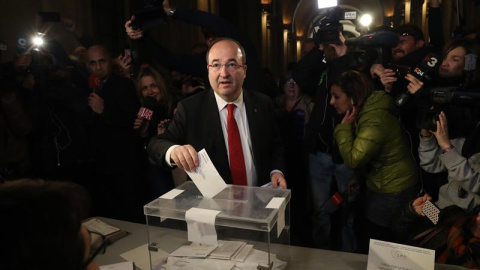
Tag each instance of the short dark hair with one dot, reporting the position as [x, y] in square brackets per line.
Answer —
[244, 55]
[409, 30]
[40, 227]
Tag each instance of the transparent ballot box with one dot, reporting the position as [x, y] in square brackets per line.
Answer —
[252, 228]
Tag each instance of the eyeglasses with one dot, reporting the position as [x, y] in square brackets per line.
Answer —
[99, 248]
[290, 83]
[232, 66]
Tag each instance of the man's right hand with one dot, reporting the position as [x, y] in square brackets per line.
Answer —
[388, 78]
[133, 34]
[185, 157]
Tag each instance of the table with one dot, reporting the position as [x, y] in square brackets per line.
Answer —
[300, 257]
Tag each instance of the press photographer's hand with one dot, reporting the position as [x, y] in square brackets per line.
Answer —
[441, 133]
[414, 85]
[133, 33]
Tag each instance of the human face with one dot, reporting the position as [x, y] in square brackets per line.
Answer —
[149, 88]
[453, 63]
[406, 45]
[291, 89]
[476, 226]
[227, 84]
[98, 62]
[340, 101]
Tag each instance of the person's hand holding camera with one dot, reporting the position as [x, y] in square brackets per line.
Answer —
[441, 133]
[376, 70]
[124, 63]
[133, 33]
[414, 85]
[388, 78]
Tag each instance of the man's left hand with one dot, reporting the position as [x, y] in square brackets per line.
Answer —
[96, 103]
[278, 180]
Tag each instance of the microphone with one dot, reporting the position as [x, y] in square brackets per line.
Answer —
[146, 111]
[376, 39]
[94, 82]
[424, 72]
[427, 67]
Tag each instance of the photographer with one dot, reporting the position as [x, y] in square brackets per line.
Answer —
[460, 157]
[324, 160]
[213, 27]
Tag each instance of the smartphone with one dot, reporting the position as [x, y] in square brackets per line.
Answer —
[431, 211]
[400, 71]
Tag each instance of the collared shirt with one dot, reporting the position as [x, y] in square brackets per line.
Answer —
[243, 128]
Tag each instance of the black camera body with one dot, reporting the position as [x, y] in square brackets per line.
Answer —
[400, 71]
[327, 30]
[461, 107]
[149, 16]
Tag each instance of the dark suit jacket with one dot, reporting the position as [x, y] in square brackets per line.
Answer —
[197, 122]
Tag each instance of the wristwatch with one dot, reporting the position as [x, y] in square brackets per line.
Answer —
[171, 12]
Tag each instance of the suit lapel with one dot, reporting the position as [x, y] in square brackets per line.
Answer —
[253, 117]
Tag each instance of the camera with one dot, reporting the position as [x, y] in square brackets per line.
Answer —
[149, 16]
[327, 30]
[400, 71]
[461, 108]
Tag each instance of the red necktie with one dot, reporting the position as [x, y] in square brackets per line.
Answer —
[237, 162]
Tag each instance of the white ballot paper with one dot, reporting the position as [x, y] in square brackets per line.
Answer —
[118, 266]
[391, 256]
[201, 226]
[140, 256]
[206, 177]
[278, 203]
[197, 264]
[194, 250]
[172, 194]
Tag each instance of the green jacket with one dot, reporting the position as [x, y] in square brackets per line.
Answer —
[378, 146]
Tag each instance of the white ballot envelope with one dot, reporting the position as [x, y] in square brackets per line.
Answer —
[206, 177]
[391, 256]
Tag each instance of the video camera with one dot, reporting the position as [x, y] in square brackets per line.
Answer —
[461, 107]
[326, 31]
[149, 16]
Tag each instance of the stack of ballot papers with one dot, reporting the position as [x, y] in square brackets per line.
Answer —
[228, 255]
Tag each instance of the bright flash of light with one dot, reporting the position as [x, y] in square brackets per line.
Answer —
[366, 20]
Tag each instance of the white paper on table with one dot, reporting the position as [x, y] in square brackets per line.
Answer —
[140, 256]
[201, 226]
[226, 250]
[193, 250]
[118, 266]
[243, 253]
[99, 226]
[386, 255]
[257, 257]
[172, 194]
[206, 177]
[278, 203]
[174, 263]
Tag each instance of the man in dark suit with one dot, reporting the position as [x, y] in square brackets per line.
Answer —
[201, 122]
[118, 186]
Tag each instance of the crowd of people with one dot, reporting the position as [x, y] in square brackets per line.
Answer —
[330, 127]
